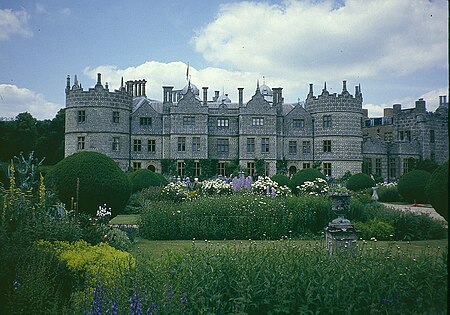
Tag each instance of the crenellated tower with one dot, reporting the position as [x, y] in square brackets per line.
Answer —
[336, 129]
[99, 120]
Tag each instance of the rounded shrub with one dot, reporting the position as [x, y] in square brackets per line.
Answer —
[163, 179]
[436, 190]
[101, 181]
[381, 230]
[306, 174]
[144, 178]
[411, 186]
[360, 181]
[281, 179]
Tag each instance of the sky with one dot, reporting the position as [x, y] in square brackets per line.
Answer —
[397, 50]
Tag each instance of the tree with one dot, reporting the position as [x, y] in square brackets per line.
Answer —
[437, 190]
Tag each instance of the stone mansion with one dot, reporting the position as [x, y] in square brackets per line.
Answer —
[331, 129]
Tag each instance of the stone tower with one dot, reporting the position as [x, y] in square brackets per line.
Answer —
[98, 120]
[336, 133]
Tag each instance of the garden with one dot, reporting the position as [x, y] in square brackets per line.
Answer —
[83, 237]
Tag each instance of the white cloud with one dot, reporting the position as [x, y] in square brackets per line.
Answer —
[14, 23]
[314, 40]
[15, 100]
[65, 11]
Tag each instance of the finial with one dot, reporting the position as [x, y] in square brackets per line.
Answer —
[325, 86]
[68, 81]
[75, 83]
[257, 85]
[311, 88]
[121, 83]
[264, 80]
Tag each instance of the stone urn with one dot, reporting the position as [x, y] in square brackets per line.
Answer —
[340, 234]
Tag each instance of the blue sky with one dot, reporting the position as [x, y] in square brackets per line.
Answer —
[397, 50]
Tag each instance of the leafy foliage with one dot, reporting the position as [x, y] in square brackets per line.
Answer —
[307, 174]
[281, 179]
[101, 181]
[359, 181]
[437, 190]
[411, 186]
[144, 178]
[378, 229]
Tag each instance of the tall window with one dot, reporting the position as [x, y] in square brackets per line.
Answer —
[181, 169]
[408, 135]
[81, 116]
[197, 169]
[137, 165]
[151, 145]
[432, 139]
[367, 166]
[327, 169]
[222, 122]
[406, 166]
[307, 165]
[137, 145]
[115, 144]
[189, 121]
[195, 144]
[298, 123]
[81, 143]
[392, 168]
[250, 145]
[265, 145]
[306, 147]
[116, 117]
[257, 121]
[327, 121]
[378, 166]
[145, 121]
[221, 169]
[222, 146]
[181, 144]
[251, 168]
[293, 147]
[326, 145]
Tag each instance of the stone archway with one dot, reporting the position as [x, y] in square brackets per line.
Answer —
[292, 170]
[151, 168]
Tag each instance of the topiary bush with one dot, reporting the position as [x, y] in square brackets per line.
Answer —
[411, 186]
[360, 181]
[389, 194]
[144, 178]
[436, 190]
[101, 181]
[281, 179]
[306, 174]
[162, 178]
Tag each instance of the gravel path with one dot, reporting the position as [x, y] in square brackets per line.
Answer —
[426, 209]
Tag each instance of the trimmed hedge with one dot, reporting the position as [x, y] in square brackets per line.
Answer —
[144, 178]
[389, 195]
[411, 186]
[436, 190]
[359, 182]
[281, 179]
[101, 181]
[306, 174]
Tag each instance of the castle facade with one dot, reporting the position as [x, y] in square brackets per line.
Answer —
[330, 129]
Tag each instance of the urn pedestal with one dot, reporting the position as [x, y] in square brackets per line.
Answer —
[341, 235]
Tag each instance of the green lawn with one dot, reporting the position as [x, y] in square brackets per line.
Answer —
[125, 219]
[159, 248]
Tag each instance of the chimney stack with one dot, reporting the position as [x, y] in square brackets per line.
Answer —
[99, 79]
[216, 95]
[205, 95]
[241, 96]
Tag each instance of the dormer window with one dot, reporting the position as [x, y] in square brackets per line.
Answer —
[298, 123]
[257, 121]
[145, 121]
[222, 122]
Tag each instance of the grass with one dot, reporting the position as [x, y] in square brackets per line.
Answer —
[125, 219]
[158, 249]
